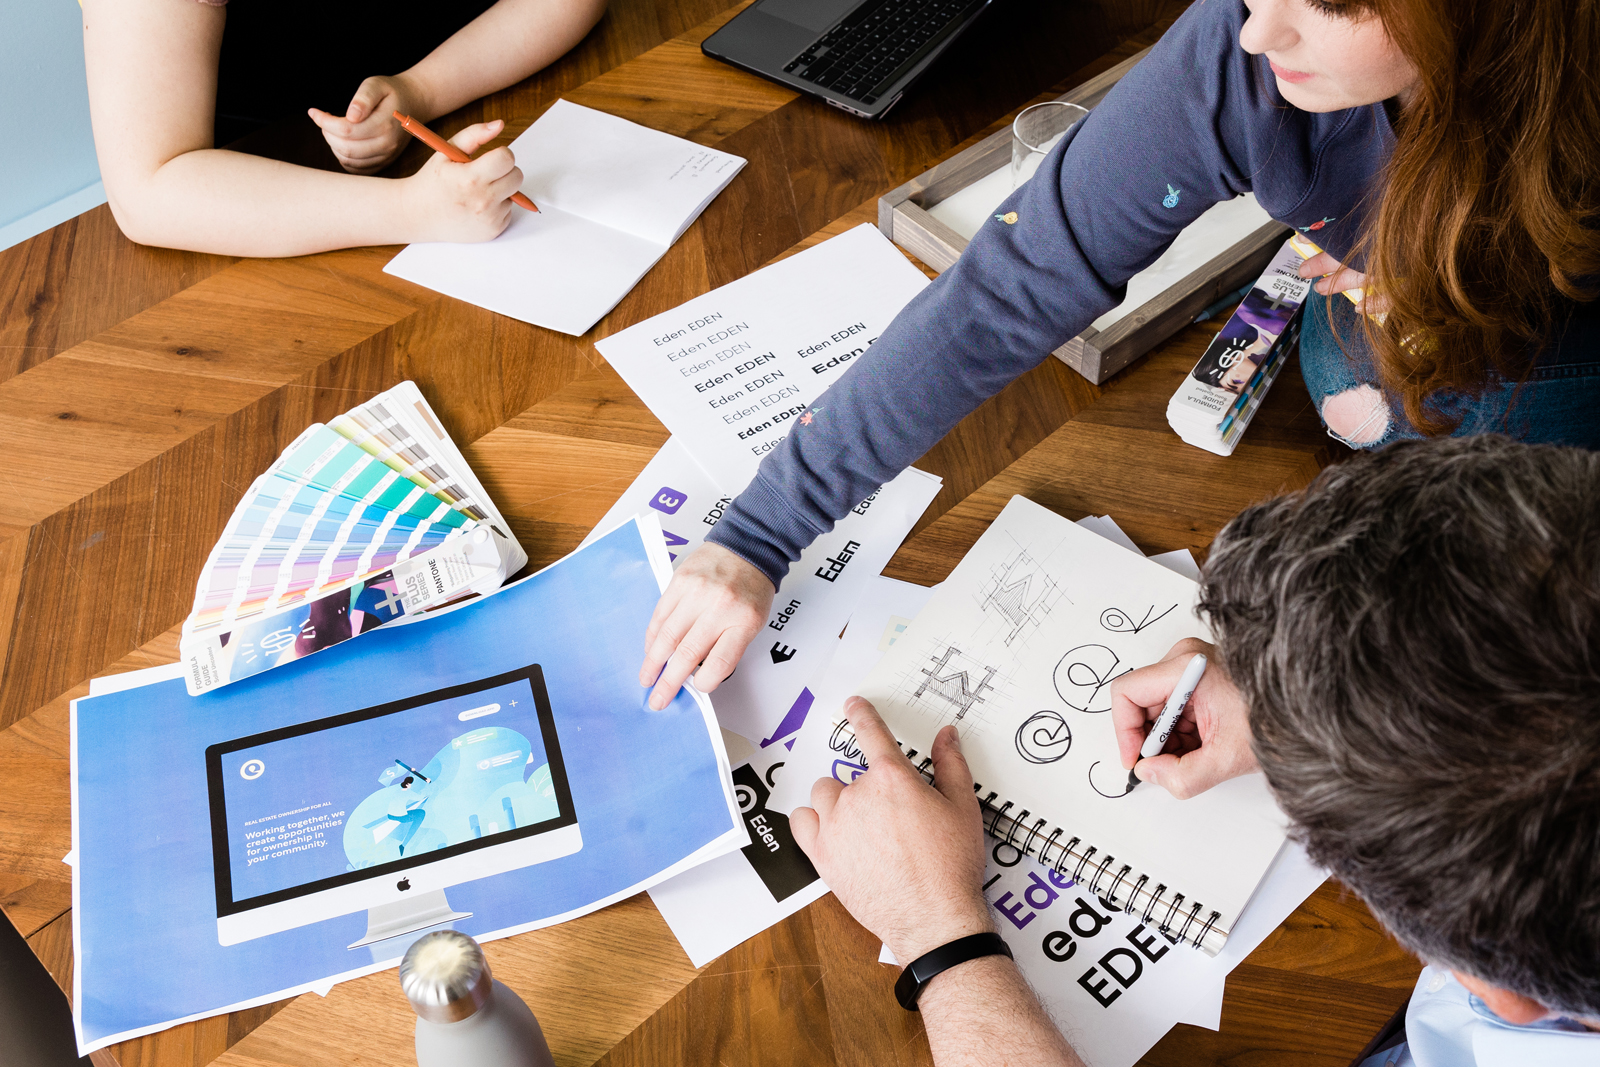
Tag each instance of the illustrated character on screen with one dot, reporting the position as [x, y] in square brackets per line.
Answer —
[405, 814]
[483, 782]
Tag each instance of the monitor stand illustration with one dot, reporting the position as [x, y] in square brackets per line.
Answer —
[408, 916]
[469, 783]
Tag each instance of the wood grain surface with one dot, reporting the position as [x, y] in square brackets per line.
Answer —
[142, 389]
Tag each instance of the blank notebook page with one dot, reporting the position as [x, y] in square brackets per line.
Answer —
[612, 196]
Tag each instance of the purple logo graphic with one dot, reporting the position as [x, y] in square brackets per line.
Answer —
[668, 500]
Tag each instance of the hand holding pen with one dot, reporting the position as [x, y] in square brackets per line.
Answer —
[449, 200]
[456, 155]
[1206, 737]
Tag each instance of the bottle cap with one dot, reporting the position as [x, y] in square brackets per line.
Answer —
[446, 977]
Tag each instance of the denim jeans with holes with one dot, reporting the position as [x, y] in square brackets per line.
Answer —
[1559, 403]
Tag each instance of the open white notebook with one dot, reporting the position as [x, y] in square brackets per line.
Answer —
[1019, 647]
[612, 197]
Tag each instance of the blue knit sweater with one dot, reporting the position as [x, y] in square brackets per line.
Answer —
[1197, 122]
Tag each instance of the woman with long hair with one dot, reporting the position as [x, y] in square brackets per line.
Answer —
[1441, 153]
[1481, 246]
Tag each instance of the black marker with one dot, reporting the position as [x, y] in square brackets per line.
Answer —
[1156, 740]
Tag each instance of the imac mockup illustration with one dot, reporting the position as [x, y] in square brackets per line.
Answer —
[386, 807]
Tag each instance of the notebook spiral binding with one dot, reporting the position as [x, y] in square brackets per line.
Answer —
[1178, 918]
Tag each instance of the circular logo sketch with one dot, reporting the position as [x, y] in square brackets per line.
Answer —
[746, 796]
[252, 769]
[1043, 737]
[1114, 778]
[1083, 678]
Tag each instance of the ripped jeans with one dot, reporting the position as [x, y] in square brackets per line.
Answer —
[1559, 403]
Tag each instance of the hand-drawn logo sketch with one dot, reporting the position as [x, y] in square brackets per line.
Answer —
[1083, 678]
[1043, 737]
[1020, 593]
[851, 764]
[951, 683]
[1119, 783]
[1121, 622]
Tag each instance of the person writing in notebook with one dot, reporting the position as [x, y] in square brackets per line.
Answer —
[173, 82]
[1407, 648]
[1440, 152]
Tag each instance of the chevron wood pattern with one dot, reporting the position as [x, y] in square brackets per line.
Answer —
[141, 389]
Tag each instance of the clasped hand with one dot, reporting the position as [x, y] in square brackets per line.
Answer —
[1211, 742]
[367, 138]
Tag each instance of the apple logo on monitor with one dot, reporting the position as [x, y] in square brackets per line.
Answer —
[403, 884]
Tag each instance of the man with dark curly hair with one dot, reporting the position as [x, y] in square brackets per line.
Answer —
[1410, 650]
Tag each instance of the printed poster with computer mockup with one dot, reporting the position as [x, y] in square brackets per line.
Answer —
[495, 768]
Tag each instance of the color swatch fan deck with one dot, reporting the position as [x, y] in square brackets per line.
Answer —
[370, 518]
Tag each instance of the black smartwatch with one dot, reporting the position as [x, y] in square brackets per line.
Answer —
[920, 971]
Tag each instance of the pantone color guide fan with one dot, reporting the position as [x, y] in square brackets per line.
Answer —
[370, 518]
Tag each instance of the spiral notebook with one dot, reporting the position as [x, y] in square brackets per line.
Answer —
[1018, 648]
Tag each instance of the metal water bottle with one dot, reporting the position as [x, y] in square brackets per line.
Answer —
[464, 1017]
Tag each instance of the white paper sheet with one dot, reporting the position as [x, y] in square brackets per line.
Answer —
[882, 617]
[612, 197]
[1217, 229]
[720, 904]
[1180, 987]
[766, 698]
[1031, 628]
[731, 373]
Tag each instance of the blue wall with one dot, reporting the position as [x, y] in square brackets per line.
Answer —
[49, 173]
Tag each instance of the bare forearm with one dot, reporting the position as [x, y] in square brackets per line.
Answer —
[982, 1014]
[501, 47]
[234, 204]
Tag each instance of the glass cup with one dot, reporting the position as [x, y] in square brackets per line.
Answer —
[1035, 132]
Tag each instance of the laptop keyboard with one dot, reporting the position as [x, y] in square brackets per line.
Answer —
[860, 57]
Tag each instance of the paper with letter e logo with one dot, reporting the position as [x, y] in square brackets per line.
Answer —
[668, 500]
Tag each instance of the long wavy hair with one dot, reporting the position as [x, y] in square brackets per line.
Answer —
[1488, 226]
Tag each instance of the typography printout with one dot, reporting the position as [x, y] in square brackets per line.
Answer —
[730, 372]
[766, 698]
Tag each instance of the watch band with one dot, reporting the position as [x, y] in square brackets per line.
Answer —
[922, 970]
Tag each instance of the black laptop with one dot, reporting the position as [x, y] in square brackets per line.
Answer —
[858, 55]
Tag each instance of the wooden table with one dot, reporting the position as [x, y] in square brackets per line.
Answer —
[142, 389]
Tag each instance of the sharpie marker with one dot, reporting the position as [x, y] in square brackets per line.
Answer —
[1157, 738]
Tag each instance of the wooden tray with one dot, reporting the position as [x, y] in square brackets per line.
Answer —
[1096, 354]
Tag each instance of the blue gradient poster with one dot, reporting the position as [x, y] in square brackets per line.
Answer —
[412, 742]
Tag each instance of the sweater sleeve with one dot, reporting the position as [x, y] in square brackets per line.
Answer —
[1157, 152]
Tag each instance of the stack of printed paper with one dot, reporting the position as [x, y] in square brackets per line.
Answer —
[732, 373]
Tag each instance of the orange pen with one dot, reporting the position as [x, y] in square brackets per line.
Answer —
[451, 152]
